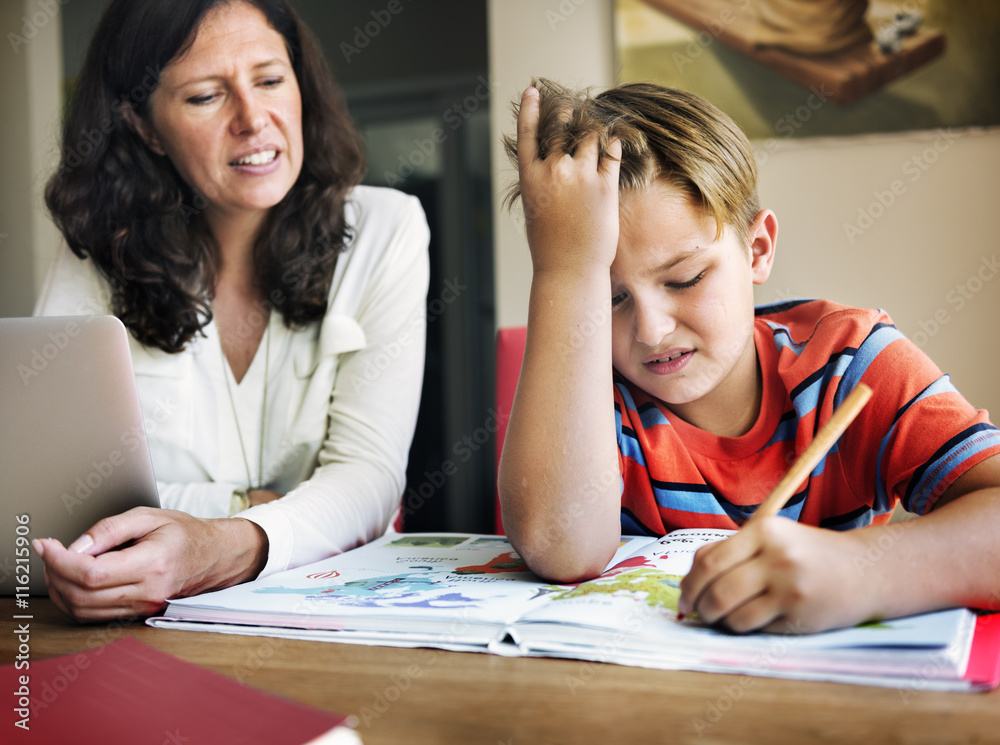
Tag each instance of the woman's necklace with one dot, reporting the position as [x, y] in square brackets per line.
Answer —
[263, 410]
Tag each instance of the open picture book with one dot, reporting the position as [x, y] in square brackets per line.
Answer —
[474, 593]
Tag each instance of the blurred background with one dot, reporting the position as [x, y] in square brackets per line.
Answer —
[881, 159]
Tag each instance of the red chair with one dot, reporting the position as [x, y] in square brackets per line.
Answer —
[510, 353]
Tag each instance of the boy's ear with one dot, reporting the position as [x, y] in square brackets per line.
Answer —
[143, 128]
[763, 239]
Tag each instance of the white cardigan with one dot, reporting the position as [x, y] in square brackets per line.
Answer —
[342, 395]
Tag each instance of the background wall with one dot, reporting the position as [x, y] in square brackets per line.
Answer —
[903, 221]
[571, 41]
[31, 58]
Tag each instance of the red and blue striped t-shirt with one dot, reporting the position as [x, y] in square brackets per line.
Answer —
[915, 437]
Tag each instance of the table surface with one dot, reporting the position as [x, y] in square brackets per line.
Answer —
[417, 696]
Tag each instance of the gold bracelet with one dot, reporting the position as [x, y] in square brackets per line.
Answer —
[239, 502]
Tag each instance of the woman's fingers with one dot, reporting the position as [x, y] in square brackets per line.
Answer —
[116, 530]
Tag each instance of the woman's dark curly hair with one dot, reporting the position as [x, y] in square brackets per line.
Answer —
[130, 212]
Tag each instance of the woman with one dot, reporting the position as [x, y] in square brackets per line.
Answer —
[208, 182]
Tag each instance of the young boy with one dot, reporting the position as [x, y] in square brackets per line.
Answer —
[653, 396]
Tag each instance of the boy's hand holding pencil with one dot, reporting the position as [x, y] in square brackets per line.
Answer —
[759, 578]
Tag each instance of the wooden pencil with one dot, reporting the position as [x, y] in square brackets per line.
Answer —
[828, 434]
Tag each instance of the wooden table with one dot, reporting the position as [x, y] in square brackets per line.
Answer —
[416, 696]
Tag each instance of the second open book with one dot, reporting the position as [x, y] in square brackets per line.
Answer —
[473, 593]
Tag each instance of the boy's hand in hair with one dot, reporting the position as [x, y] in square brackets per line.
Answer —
[561, 513]
[569, 194]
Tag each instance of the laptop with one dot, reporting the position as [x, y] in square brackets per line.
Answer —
[73, 446]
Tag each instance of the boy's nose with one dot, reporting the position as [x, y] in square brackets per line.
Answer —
[652, 324]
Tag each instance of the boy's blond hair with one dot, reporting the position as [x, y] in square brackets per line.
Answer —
[666, 134]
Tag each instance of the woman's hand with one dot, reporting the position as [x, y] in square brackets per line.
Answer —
[130, 564]
[570, 199]
[778, 575]
[262, 496]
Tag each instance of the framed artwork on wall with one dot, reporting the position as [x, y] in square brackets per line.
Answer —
[791, 68]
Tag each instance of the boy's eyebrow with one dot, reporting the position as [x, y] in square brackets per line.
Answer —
[672, 262]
